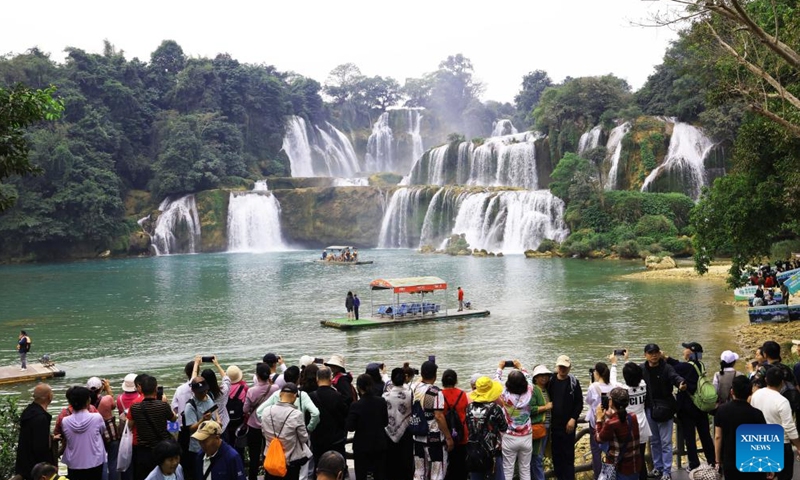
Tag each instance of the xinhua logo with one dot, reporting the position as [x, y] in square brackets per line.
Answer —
[759, 448]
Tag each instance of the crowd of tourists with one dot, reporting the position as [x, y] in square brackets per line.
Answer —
[293, 422]
[344, 256]
[765, 278]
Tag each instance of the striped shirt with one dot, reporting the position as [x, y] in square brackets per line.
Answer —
[147, 415]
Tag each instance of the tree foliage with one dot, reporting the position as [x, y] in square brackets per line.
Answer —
[533, 85]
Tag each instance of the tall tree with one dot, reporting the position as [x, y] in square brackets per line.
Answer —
[533, 85]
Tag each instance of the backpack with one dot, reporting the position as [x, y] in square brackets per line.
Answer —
[235, 406]
[725, 383]
[418, 423]
[453, 420]
[479, 453]
[335, 381]
[275, 458]
[789, 390]
[705, 397]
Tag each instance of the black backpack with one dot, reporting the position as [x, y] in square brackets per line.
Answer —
[479, 454]
[789, 390]
[418, 422]
[453, 420]
[235, 406]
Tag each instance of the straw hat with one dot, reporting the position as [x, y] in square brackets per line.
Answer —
[486, 390]
[234, 373]
[337, 361]
[541, 370]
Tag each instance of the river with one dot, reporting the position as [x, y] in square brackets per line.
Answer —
[109, 318]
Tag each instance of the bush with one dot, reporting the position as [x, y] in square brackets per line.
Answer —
[9, 434]
[645, 242]
[783, 250]
[656, 226]
[679, 246]
[547, 245]
[622, 233]
[580, 248]
[455, 244]
[628, 249]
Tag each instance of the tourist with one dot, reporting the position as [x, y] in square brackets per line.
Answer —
[460, 299]
[199, 409]
[308, 378]
[217, 393]
[784, 293]
[331, 466]
[660, 408]
[691, 417]
[516, 399]
[598, 389]
[341, 380]
[565, 393]
[235, 406]
[349, 303]
[148, 419]
[275, 363]
[102, 397]
[218, 460]
[84, 433]
[65, 412]
[777, 411]
[167, 454]
[752, 369]
[621, 430]
[727, 419]
[457, 399]
[356, 304]
[771, 352]
[374, 371]
[23, 347]
[430, 451]
[486, 422]
[368, 418]
[256, 395]
[540, 420]
[637, 397]
[33, 446]
[284, 420]
[724, 378]
[129, 396]
[44, 471]
[184, 391]
[399, 447]
[330, 433]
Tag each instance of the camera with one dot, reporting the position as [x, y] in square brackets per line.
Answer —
[432, 358]
[509, 363]
[160, 392]
[604, 401]
[208, 359]
[620, 352]
[319, 361]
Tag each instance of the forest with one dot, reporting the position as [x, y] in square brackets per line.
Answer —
[174, 124]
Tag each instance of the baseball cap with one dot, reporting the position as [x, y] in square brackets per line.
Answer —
[94, 383]
[207, 429]
[693, 346]
[563, 361]
[651, 348]
[199, 384]
[289, 388]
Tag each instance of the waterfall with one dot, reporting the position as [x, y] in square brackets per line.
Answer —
[440, 216]
[380, 145]
[254, 221]
[398, 228]
[178, 227]
[683, 168]
[590, 139]
[395, 142]
[614, 151]
[503, 127]
[350, 182]
[414, 121]
[316, 151]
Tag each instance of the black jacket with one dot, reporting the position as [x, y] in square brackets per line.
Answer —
[34, 440]
[332, 416]
[690, 376]
[567, 399]
[368, 417]
[660, 386]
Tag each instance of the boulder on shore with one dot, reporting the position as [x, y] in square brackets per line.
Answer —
[659, 263]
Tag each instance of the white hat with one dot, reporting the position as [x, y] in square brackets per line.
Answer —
[234, 373]
[541, 370]
[563, 361]
[337, 361]
[729, 356]
[94, 383]
[127, 384]
[306, 360]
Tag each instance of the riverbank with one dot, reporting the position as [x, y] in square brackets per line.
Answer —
[715, 273]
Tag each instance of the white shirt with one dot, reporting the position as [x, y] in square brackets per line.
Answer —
[637, 396]
[182, 396]
[776, 410]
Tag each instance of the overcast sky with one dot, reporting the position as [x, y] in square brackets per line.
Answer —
[394, 38]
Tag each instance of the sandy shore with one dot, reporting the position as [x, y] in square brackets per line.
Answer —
[715, 272]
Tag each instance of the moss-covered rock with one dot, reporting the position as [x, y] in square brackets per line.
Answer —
[288, 183]
[212, 209]
[384, 179]
[653, 262]
[318, 217]
[139, 243]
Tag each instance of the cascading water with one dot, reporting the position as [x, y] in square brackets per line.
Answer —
[318, 152]
[590, 139]
[683, 166]
[614, 152]
[350, 182]
[503, 127]
[380, 145]
[178, 227]
[414, 121]
[395, 151]
[254, 221]
[398, 229]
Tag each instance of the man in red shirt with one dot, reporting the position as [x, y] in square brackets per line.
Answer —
[460, 299]
[456, 399]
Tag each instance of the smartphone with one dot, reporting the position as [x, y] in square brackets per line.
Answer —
[620, 352]
[432, 358]
[604, 401]
[208, 359]
[509, 363]
[319, 361]
[160, 393]
[212, 409]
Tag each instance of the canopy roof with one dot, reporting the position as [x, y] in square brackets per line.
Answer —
[338, 247]
[793, 283]
[409, 284]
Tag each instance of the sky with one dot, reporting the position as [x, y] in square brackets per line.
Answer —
[400, 39]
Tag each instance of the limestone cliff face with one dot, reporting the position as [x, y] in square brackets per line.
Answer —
[212, 209]
[318, 217]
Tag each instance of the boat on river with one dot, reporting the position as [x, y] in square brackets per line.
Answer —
[743, 294]
[40, 370]
[774, 313]
[341, 255]
[401, 310]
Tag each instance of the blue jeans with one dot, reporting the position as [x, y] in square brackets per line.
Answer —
[661, 443]
[497, 475]
[632, 476]
[111, 473]
[23, 359]
[537, 461]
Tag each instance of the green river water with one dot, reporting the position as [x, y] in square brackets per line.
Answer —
[110, 318]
